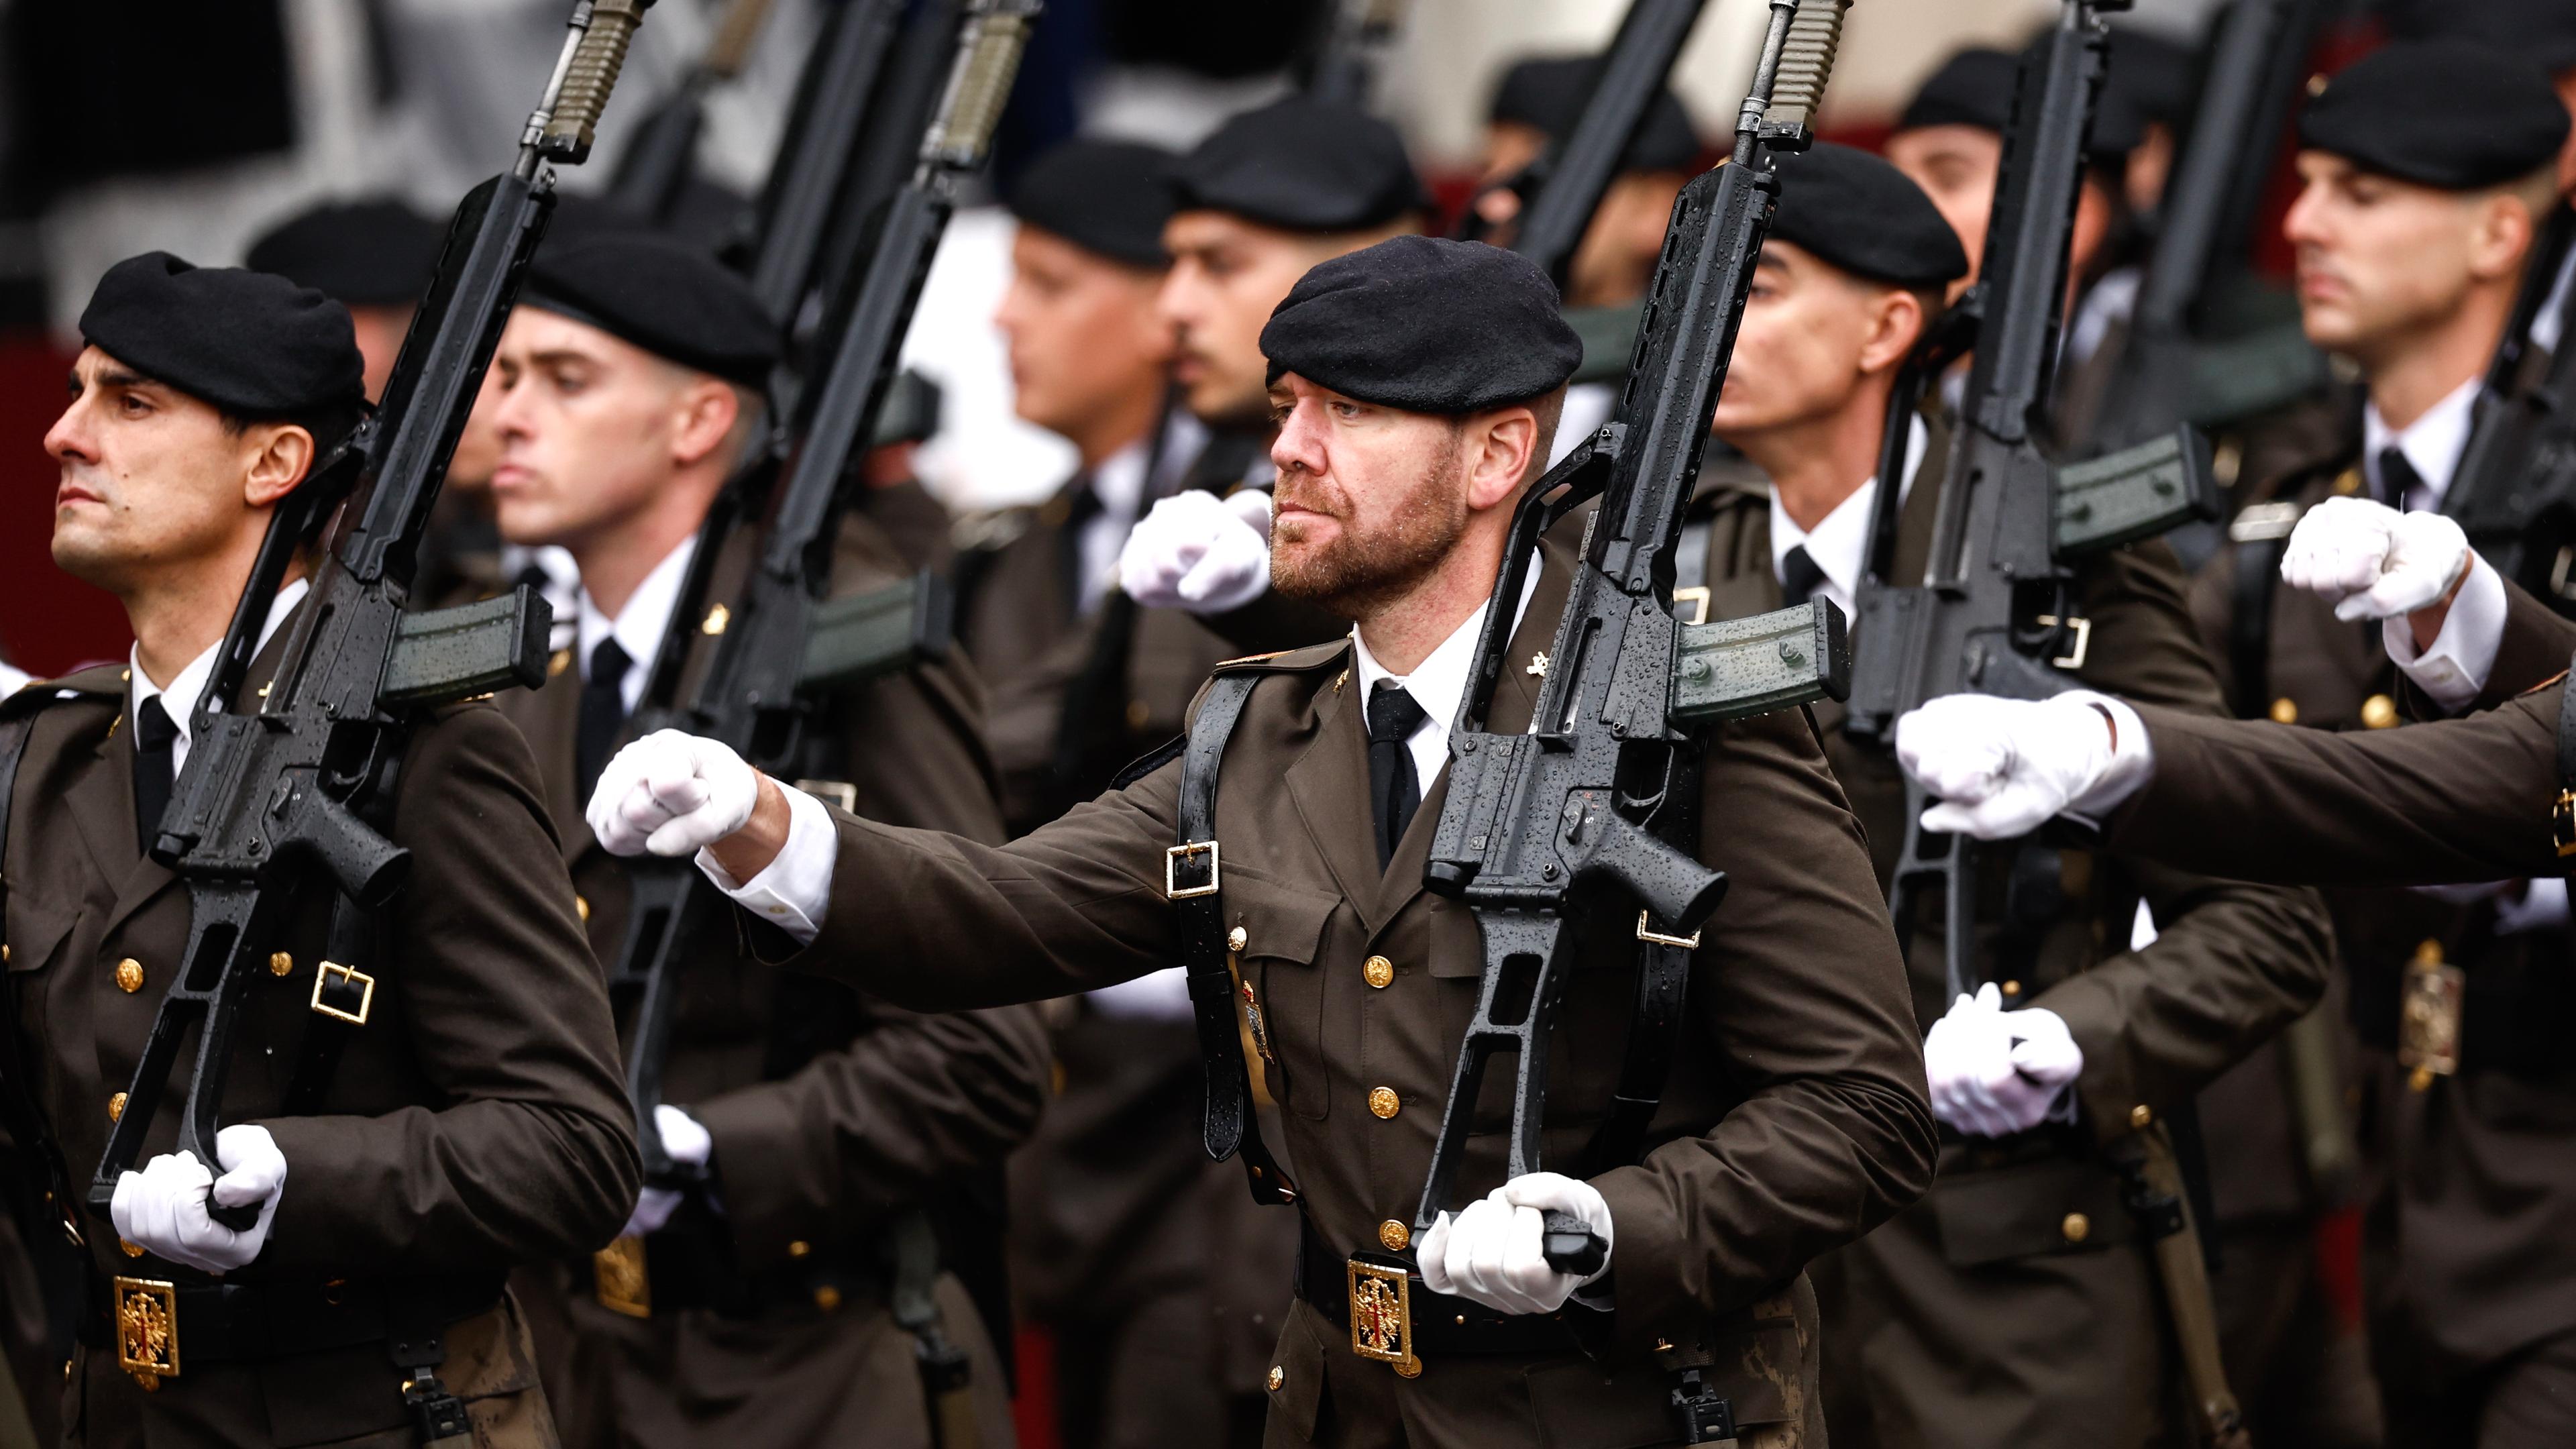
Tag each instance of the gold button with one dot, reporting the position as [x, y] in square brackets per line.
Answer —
[1409, 1369]
[1379, 971]
[129, 976]
[280, 964]
[2077, 1227]
[2285, 710]
[1278, 1376]
[561, 661]
[799, 1248]
[4, 951]
[1383, 1101]
[1237, 939]
[2379, 712]
[2012, 988]
[828, 1298]
[1393, 1235]
[132, 1250]
[2139, 1116]
[582, 905]
[2428, 953]
[2349, 483]
[116, 1106]
[2420, 1080]
[1138, 714]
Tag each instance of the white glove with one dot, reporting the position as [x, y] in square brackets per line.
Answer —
[1996, 1072]
[162, 1209]
[685, 1141]
[1492, 1252]
[1199, 552]
[671, 793]
[2001, 767]
[2371, 561]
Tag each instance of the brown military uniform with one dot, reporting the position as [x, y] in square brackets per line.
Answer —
[2442, 1304]
[1793, 1120]
[833, 1112]
[475, 1122]
[2017, 1304]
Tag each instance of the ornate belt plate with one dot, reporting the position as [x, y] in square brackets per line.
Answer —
[147, 1330]
[1382, 1316]
[618, 1277]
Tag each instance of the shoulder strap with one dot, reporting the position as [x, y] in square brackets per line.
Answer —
[2249, 624]
[1193, 877]
[19, 1105]
[2567, 729]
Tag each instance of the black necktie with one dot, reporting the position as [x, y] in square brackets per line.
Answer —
[1799, 576]
[603, 714]
[1395, 791]
[156, 736]
[1081, 505]
[2397, 477]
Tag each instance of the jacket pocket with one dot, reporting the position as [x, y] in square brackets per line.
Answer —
[1296, 1383]
[2054, 1204]
[1283, 933]
[34, 932]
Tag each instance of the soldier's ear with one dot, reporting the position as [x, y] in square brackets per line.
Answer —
[1505, 442]
[707, 410]
[281, 456]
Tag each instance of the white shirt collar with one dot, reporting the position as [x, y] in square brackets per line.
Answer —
[1438, 683]
[2432, 444]
[1839, 543]
[179, 697]
[638, 628]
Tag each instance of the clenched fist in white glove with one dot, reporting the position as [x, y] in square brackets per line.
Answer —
[2002, 767]
[162, 1209]
[687, 1142]
[1996, 1072]
[1199, 552]
[2371, 561]
[671, 793]
[1493, 1252]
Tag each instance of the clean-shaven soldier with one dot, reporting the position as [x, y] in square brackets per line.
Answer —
[474, 1122]
[630, 379]
[1415, 383]
[2043, 1323]
[2410, 255]
[1166, 1347]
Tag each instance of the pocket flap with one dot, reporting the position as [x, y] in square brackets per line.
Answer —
[1280, 922]
[34, 932]
[2047, 1205]
[1296, 1380]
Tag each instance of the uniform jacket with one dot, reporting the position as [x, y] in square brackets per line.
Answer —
[1795, 1117]
[879, 1109]
[476, 1122]
[2022, 1259]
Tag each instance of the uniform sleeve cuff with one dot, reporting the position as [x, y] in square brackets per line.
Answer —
[2132, 764]
[2454, 671]
[796, 889]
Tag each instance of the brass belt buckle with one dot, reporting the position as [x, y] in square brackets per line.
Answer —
[1172, 859]
[618, 1278]
[147, 1330]
[2562, 824]
[1382, 1316]
[350, 978]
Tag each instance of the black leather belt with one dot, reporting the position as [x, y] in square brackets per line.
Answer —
[689, 1269]
[155, 1324]
[1440, 1324]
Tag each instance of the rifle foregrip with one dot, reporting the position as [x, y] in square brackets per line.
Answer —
[589, 78]
[1806, 63]
[979, 89]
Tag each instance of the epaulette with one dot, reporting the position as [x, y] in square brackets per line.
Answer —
[105, 681]
[1286, 661]
[2556, 679]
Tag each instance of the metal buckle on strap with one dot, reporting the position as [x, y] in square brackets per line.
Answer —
[1172, 858]
[836, 792]
[147, 1330]
[2562, 823]
[1657, 938]
[1382, 1316]
[1690, 606]
[349, 976]
[2073, 658]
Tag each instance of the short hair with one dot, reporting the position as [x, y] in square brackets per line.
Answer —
[329, 424]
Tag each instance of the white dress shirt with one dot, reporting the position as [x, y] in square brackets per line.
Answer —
[2431, 443]
[12, 679]
[1121, 486]
[1839, 543]
[795, 890]
[561, 590]
[179, 697]
[639, 627]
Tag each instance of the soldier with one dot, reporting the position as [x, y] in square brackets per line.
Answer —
[473, 1121]
[2410, 256]
[630, 380]
[373, 257]
[1416, 382]
[2114, 1041]
[1537, 103]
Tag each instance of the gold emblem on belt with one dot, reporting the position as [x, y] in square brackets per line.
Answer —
[1382, 1316]
[618, 1277]
[147, 1330]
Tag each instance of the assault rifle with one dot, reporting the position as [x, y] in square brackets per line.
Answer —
[276, 796]
[653, 174]
[2515, 493]
[1598, 803]
[783, 646]
[1995, 612]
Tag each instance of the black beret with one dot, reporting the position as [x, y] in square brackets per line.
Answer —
[1975, 88]
[1302, 165]
[1547, 95]
[1859, 213]
[1110, 197]
[254, 345]
[665, 296]
[1427, 325]
[377, 253]
[2444, 113]
[2542, 31]
[2152, 75]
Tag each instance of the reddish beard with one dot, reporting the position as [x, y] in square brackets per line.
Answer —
[1358, 571]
